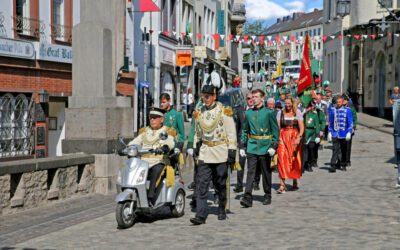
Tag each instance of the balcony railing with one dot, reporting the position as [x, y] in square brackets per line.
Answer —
[61, 33]
[239, 9]
[28, 26]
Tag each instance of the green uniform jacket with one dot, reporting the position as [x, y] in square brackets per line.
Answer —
[260, 122]
[174, 119]
[322, 119]
[354, 113]
[311, 126]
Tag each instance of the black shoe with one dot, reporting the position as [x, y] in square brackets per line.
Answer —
[315, 165]
[192, 186]
[246, 203]
[332, 169]
[256, 186]
[343, 168]
[267, 201]
[309, 169]
[193, 204]
[222, 216]
[238, 189]
[197, 221]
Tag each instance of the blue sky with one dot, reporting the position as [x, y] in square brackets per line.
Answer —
[269, 10]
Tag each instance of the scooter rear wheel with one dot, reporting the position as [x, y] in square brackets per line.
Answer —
[124, 219]
[178, 210]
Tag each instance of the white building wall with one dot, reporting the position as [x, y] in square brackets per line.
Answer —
[76, 7]
[6, 12]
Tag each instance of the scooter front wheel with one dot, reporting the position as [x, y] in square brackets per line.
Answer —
[178, 210]
[124, 218]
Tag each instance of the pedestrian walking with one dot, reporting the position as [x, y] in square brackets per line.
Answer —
[239, 127]
[215, 130]
[340, 130]
[321, 110]
[259, 142]
[392, 100]
[348, 103]
[311, 138]
[290, 122]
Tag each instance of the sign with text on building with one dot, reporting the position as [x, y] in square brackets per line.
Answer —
[221, 25]
[183, 58]
[200, 52]
[54, 52]
[17, 48]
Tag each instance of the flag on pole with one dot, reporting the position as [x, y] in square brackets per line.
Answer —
[148, 6]
[305, 81]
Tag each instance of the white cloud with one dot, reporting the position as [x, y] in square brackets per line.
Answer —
[267, 9]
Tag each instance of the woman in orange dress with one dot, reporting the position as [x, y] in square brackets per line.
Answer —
[290, 122]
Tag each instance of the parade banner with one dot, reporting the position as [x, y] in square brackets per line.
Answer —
[305, 80]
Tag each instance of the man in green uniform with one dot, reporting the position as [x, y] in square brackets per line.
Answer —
[173, 119]
[259, 141]
[312, 137]
[269, 91]
[320, 108]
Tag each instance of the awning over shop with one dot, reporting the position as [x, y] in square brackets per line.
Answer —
[228, 70]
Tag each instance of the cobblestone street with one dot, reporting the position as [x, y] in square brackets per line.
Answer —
[357, 209]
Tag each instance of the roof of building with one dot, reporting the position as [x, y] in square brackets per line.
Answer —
[296, 21]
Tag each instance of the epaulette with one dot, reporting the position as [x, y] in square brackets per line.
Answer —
[142, 130]
[228, 111]
[196, 114]
[171, 131]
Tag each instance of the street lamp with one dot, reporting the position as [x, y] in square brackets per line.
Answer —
[342, 10]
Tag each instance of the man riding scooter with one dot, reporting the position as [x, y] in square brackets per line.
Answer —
[149, 137]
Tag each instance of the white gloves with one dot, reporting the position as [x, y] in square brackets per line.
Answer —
[348, 136]
[177, 150]
[329, 137]
[242, 153]
[317, 140]
[271, 152]
[189, 151]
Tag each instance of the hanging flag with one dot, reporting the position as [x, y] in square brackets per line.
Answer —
[198, 35]
[230, 36]
[305, 79]
[373, 36]
[293, 39]
[278, 39]
[261, 39]
[364, 36]
[148, 6]
[166, 33]
[332, 37]
[340, 37]
[269, 38]
[324, 37]
[357, 37]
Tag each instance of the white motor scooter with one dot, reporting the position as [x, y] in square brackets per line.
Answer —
[132, 185]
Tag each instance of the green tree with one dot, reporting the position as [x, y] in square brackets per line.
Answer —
[256, 28]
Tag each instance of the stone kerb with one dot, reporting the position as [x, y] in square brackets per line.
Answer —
[32, 183]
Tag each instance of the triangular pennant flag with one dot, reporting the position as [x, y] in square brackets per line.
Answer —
[373, 36]
[284, 38]
[364, 36]
[173, 32]
[324, 37]
[278, 39]
[261, 39]
[357, 37]
[182, 34]
[148, 6]
[159, 32]
[380, 35]
[253, 37]
[237, 38]
[269, 38]
[293, 39]
[198, 35]
[207, 36]
[348, 35]
[166, 33]
[332, 37]
[257, 43]
[190, 35]
[222, 36]
[246, 38]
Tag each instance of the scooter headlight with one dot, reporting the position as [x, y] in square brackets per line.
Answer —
[141, 177]
[132, 151]
[119, 177]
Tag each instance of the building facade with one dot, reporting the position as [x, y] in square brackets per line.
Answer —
[36, 75]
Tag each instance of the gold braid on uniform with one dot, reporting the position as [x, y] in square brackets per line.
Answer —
[148, 141]
[228, 111]
[172, 132]
[213, 125]
[142, 130]
[196, 114]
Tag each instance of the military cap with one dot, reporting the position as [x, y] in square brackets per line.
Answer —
[209, 89]
[268, 83]
[345, 97]
[156, 111]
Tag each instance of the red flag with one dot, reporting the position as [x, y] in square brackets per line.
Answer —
[216, 38]
[373, 36]
[357, 37]
[148, 6]
[324, 37]
[305, 79]
[261, 39]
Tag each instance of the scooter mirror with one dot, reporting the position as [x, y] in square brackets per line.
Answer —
[121, 140]
[163, 136]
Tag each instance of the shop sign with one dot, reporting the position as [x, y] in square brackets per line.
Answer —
[16, 48]
[184, 58]
[200, 52]
[167, 56]
[54, 53]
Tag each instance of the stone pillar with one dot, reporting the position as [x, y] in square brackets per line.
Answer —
[95, 115]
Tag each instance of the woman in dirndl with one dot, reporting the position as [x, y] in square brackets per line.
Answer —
[290, 122]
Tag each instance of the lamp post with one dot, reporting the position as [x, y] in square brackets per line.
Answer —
[342, 10]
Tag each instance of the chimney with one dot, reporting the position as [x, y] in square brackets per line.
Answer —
[278, 20]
